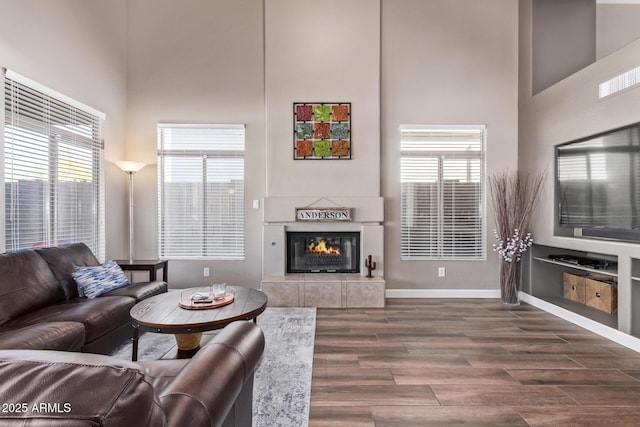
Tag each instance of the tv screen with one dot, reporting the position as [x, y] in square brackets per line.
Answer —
[598, 184]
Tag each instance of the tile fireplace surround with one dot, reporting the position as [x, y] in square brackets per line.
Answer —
[331, 290]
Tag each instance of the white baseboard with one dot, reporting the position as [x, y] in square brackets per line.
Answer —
[442, 293]
[597, 328]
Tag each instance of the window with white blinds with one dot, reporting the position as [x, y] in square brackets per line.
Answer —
[201, 191]
[442, 174]
[53, 168]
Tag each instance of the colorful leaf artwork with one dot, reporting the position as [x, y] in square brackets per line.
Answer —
[304, 130]
[321, 113]
[339, 130]
[340, 148]
[304, 113]
[321, 130]
[304, 148]
[322, 148]
[340, 113]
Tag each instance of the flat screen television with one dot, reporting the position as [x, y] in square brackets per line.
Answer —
[598, 185]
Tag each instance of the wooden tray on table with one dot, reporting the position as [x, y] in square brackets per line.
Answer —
[190, 304]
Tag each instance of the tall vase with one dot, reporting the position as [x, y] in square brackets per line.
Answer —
[510, 282]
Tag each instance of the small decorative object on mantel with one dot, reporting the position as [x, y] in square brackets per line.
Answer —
[514, 197]
[321, 131]
[370, 266]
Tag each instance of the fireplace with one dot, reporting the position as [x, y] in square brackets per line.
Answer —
[323, 252]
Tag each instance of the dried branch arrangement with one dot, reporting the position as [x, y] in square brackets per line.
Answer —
[514, 197]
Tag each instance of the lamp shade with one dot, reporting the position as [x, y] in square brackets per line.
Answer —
[129, 166]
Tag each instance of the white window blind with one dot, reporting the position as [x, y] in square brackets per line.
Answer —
[201, 191]
[442, 174]
[619, 83]
[53, 168]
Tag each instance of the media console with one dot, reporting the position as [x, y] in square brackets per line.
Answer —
[547, 266]
[575, 260]
[547, 271]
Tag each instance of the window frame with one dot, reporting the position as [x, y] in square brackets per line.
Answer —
[207, 149]
[427, 241]
[65, 126]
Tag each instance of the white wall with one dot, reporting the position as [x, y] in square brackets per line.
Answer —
[616, 26]
[77, 48]
[323, 51]
[446, 62]
[247, 61]
[196, 61]
[566, 111]
[564, 39]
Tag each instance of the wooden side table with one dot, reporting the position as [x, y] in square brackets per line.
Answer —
[163, 315]
[152, 266]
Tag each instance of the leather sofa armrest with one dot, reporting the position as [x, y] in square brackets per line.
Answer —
[206, 388]
[140, 290]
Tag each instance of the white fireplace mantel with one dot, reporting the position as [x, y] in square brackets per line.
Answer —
[280, 216]
[283, 209]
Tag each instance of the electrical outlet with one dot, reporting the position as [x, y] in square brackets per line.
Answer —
[441, 271]
[206, 272]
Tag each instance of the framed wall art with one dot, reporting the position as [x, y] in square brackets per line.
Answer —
[321, 130]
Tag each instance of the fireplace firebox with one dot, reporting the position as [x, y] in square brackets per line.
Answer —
[323, 252]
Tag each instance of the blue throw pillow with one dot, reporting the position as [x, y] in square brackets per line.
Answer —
[95, 281]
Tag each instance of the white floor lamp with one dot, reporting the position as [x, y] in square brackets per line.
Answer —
[130, 168]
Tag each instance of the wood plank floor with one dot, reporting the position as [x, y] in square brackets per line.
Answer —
[467, 362]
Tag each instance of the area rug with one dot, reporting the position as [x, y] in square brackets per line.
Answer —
[282, 384]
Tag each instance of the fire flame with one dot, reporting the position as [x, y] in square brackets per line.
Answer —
[322, 248]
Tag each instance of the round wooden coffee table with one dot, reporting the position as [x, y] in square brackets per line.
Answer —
[162, 314]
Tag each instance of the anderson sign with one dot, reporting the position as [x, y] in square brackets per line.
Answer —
[323, 214]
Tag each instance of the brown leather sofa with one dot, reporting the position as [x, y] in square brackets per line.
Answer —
[54, 388]
[40, 308]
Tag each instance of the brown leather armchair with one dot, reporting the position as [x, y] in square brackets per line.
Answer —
[56, 388]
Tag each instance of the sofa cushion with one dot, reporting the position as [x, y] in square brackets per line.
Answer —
[99, 315]
[27, 284]
[95, 281]
[140, 291]
[66, 336]
[63, 259]
[88, 389]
